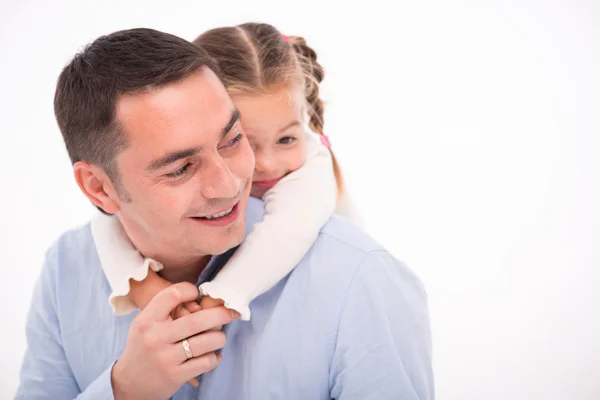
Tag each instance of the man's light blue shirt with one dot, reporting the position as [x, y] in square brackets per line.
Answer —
[349, 322]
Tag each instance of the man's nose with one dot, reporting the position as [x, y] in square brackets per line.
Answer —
[218, 180]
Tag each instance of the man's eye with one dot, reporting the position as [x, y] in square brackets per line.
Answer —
[233, 142]
[178, 172]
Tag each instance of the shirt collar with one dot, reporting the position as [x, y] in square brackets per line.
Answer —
[121, 262]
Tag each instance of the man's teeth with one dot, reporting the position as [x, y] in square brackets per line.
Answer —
[219, 215]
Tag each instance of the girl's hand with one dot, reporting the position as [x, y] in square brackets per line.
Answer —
[208, 302]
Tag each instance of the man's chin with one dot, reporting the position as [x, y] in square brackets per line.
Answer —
[218, 240]
[232, 240]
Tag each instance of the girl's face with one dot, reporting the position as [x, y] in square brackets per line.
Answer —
[274, 125]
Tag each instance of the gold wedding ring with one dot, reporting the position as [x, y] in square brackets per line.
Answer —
[186, 349]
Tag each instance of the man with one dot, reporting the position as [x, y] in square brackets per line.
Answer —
[349, 322]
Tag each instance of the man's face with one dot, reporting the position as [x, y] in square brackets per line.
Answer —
[187, 171]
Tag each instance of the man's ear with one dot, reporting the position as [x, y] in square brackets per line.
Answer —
[97, 186]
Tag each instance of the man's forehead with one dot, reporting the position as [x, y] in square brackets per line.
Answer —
[197, 104]
[190, 113]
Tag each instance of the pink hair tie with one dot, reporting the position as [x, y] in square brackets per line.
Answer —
[325, 141]
[286, 39]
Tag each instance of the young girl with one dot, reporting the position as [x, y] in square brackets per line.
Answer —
[274, 81]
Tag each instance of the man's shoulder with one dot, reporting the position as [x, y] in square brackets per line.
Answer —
[73, 257]
[72, 244]
[73, 281]
[350, 253]
[339, 253]
[344, 265]
[340, 232]
[342, 247]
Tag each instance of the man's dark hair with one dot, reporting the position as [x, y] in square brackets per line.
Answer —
[123, 62]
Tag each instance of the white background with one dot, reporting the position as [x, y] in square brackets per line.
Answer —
[469, 133]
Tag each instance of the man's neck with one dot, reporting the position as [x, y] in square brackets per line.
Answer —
[176, 267]
[183, 273]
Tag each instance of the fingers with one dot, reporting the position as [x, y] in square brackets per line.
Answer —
[208, 302]
[201, 321]
[161, 306]
[192, 307]
[194, 382]
[200, 365]
[179, 311]
[185, 309]
[201, 344]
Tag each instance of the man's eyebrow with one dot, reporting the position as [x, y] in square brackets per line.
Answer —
[235, 117]
[290, 125]
[172, 157]
[179, 154]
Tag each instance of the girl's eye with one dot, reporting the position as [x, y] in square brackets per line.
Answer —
[286, 140]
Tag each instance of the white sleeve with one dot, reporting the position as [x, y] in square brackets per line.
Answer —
[120, 261]
[295, 211]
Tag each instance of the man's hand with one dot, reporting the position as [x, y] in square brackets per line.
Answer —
[154, 364]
